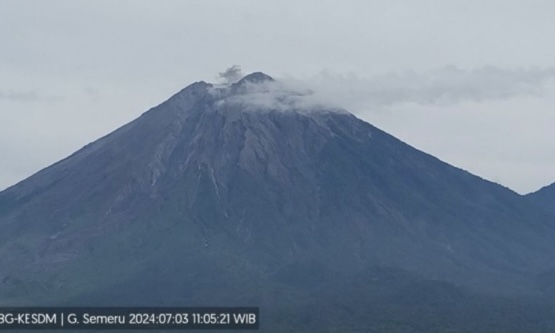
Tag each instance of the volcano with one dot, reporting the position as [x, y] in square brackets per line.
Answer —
[253, 194]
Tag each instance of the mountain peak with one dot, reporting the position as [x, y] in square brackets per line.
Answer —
[256, 81]
[256, 77]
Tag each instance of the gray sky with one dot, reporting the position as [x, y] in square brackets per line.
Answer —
[471, 82]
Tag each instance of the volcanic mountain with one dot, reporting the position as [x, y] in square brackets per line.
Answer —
[252, 194]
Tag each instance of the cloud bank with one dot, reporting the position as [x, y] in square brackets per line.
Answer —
[29, 96]
[26, 96]
[443, 86]
[271, 95]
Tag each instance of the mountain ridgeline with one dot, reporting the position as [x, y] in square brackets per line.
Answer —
[248, 194]
[545, 198]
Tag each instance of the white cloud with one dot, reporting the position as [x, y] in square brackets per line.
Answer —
[271, 95]
[443, 86]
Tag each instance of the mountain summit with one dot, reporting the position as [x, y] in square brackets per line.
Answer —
[257, 77]
[228, 196]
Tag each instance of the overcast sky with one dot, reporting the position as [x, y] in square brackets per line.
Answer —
[471, 82]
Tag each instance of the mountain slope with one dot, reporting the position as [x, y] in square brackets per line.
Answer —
[247, 195]
[545, 197]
